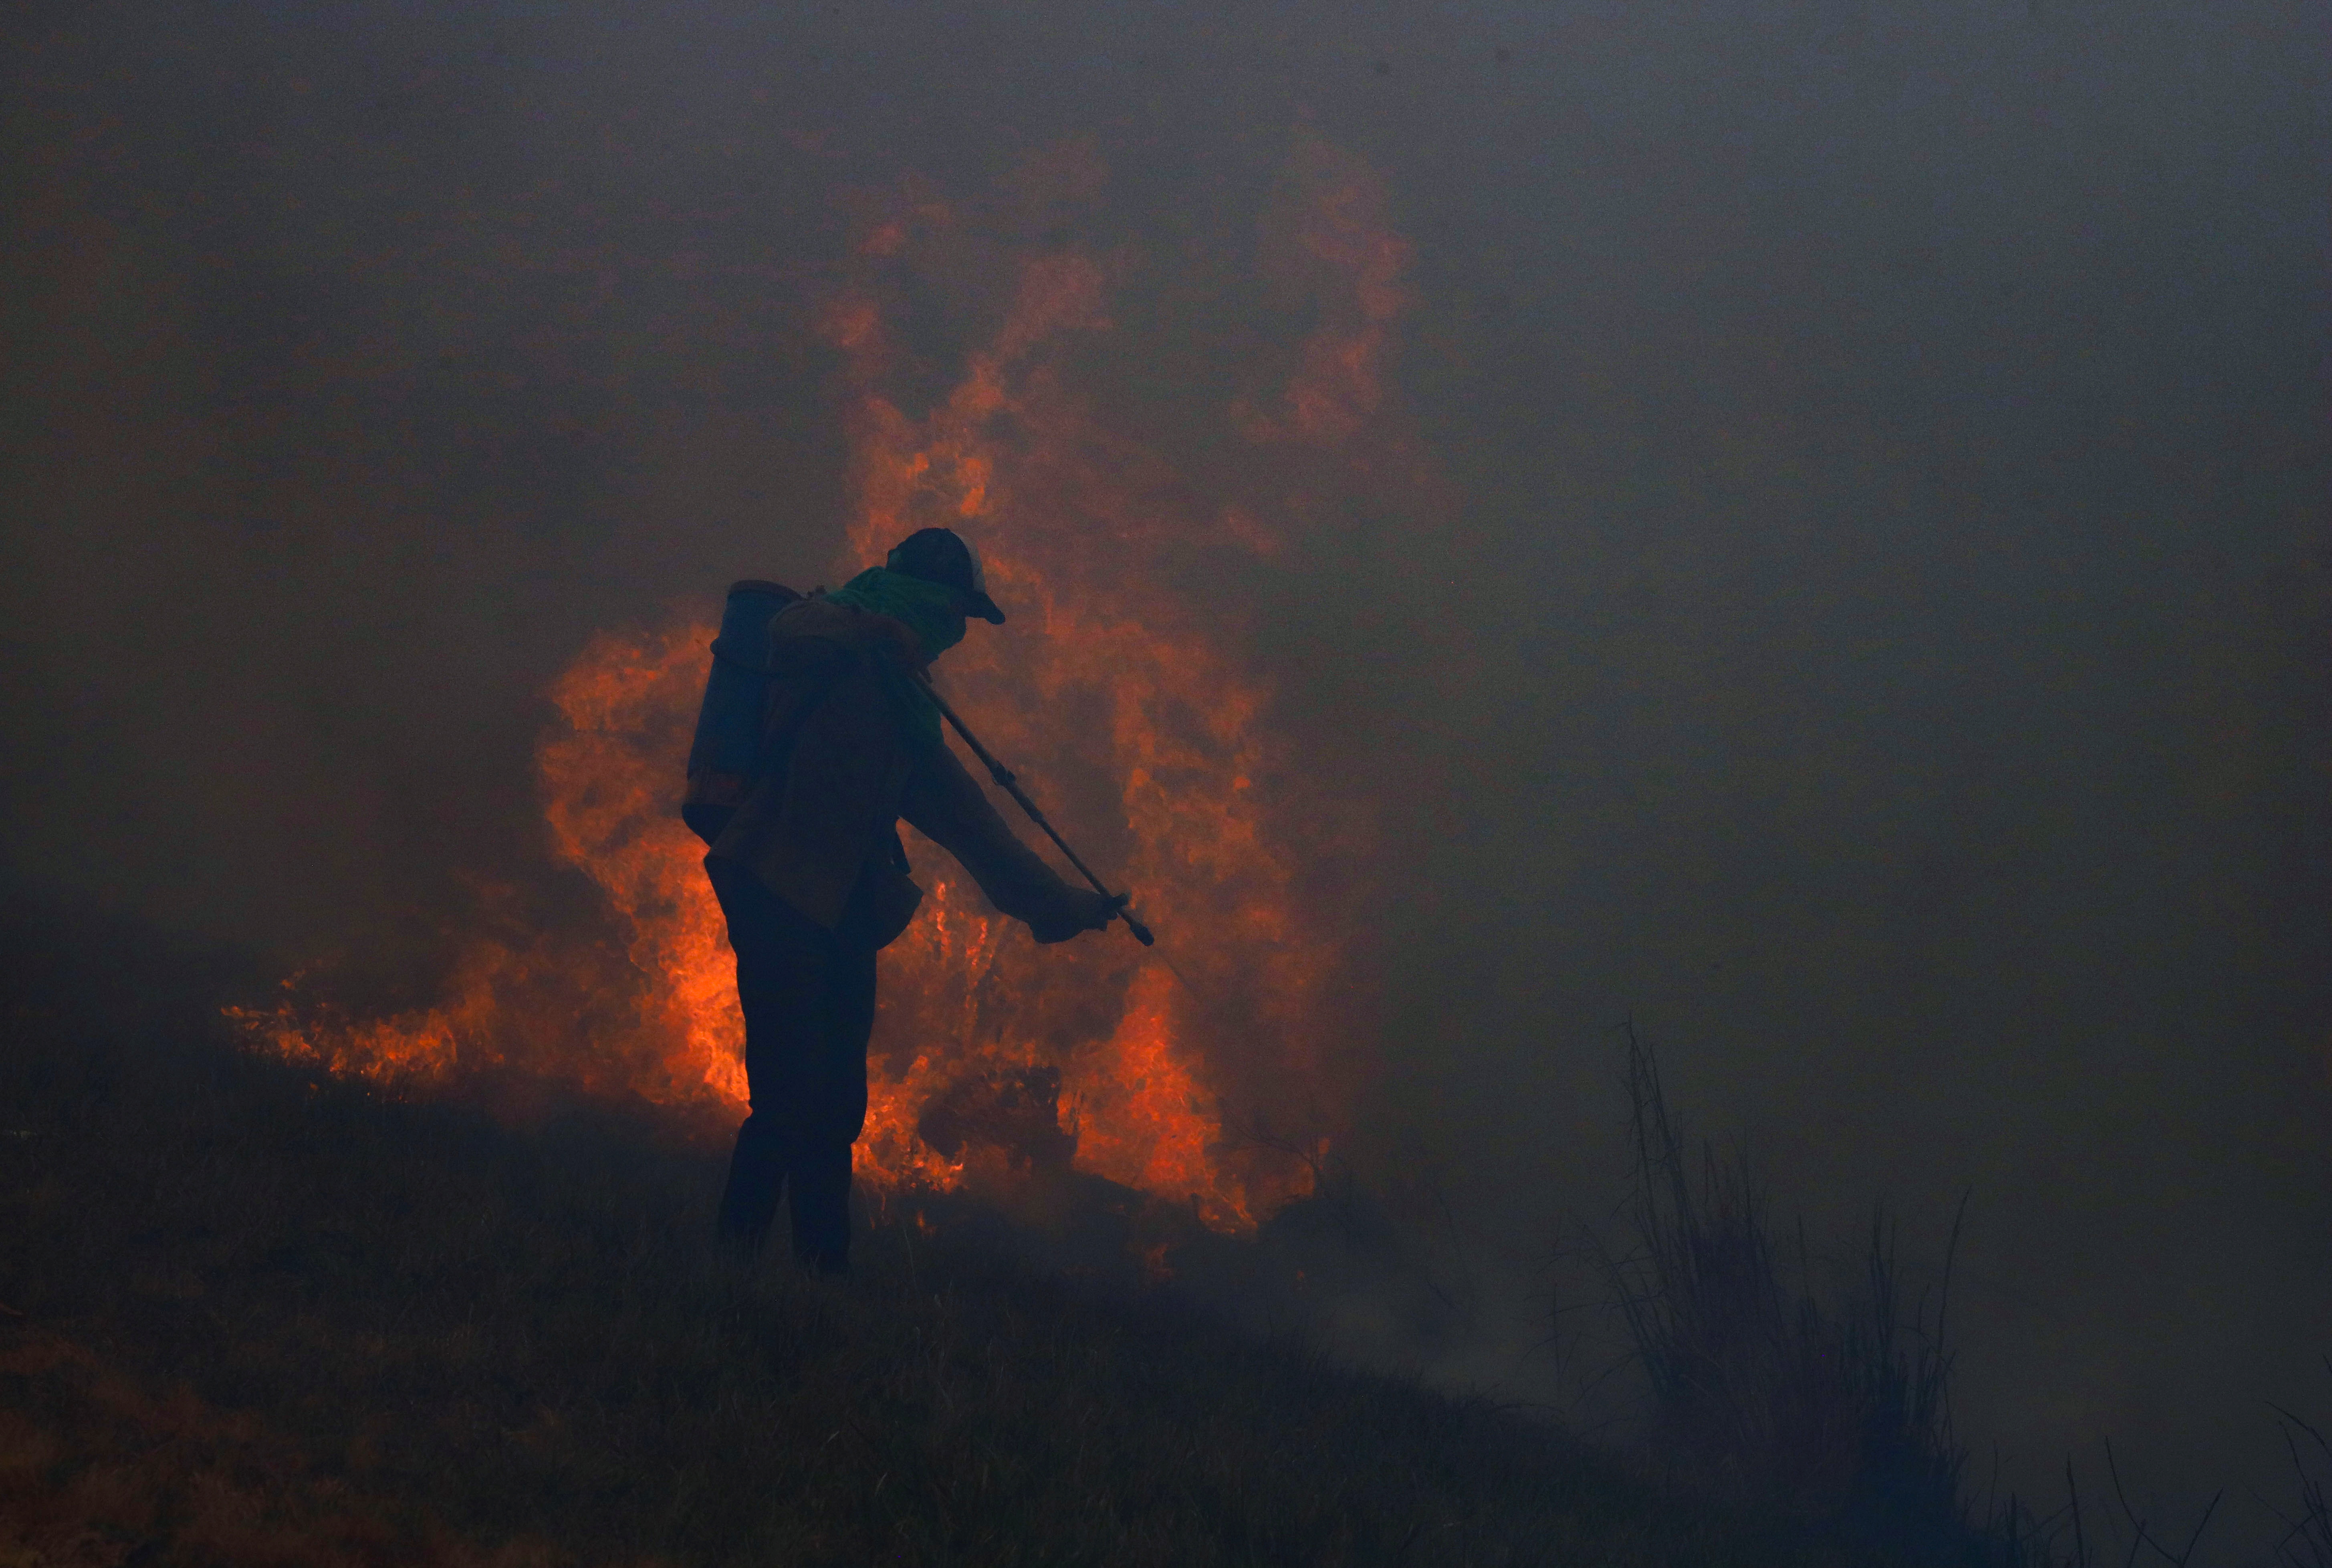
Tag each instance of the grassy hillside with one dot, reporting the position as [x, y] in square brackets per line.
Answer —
[256, 1319]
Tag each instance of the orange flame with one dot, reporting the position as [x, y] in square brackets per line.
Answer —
[1147, 740]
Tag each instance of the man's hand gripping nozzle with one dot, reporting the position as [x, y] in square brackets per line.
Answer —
[1003, 776]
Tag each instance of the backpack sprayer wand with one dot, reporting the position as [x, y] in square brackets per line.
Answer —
[1003, 776]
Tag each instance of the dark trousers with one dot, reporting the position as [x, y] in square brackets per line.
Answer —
[809, 999]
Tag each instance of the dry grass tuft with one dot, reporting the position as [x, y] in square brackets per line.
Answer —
[1837, 1412]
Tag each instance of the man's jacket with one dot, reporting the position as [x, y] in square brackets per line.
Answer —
[818, 824]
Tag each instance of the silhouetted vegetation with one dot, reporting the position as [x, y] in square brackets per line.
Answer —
[1837, 1412]
[1840, 1413]
[2308, 1542]
[2071, 1538]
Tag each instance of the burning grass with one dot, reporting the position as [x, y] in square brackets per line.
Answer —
[1121, 683]
[272, 1316]
[1146, 728]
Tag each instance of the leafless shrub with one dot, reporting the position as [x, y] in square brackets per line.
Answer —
[1837, 1412]
[2307, 1544]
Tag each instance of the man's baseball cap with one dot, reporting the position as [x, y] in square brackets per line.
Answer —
[939, 555]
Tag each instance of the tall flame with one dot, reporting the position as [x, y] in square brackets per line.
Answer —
[1145, 734]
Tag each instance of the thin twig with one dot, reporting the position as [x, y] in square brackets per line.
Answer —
[2205, 1525]
[2080, 1541]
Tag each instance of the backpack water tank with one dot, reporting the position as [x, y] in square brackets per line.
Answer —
[723, 754]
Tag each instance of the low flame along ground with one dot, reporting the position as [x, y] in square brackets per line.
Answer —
[1136, 727]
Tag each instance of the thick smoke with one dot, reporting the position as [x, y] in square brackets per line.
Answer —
[1839, 573]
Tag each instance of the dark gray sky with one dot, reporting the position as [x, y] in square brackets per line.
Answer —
[1867, 621]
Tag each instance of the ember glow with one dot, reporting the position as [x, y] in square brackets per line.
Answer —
[1128, 712]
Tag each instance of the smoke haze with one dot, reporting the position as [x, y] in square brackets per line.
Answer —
[1825, 555]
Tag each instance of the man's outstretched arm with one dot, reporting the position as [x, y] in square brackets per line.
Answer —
[947, 805]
